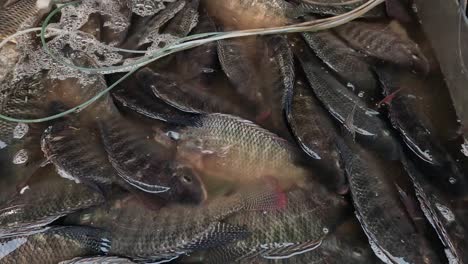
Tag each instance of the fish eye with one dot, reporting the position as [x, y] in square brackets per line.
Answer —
[187, 179]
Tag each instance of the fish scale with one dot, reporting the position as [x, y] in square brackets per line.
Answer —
[13, 15]
[52, 245]
[383, 44]
[341, 58]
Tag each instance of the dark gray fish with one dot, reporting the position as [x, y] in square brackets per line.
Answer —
[76, 152]
[333, 8]
[450, 229]
[180, 229]
[236, 57]
[346, 62]
[381, 214]
[314, 131]
[417, 131]
[44, 199]
[380, 43]
[98, 260]
[347, 108]
[53, 244]
[341, 246]
[147, 165]
[183, 97]
[308, 218]
[147, 28]
[278, 79]
[15, 12]
[140, 99]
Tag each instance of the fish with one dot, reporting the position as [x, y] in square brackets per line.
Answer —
[238, 151]
[51, 245]
[340, 246]
[237, 59]
[278, 74]
[145, 164]
[340, 58]
[43, 199]
[98, 260]
[141, 100]
[382, 44]
[247, 14]
[178, 229]
[339, 101]
[183, 97]
[305, 222]
[390, 232]
[440, 213]
[13, 13]
[333, 8]
[418, 132]
[314, 131]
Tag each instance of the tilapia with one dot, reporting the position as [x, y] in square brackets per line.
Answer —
[347, 108]
[146, 164]
[382, 44]
[418, 132]
[45, 198]
[54, 244]
[183, 97]
[438, 210]
[249, 14]
[237, 150]
[333, 8]
[180, 229]
[98, 260]
[182, 23]
[345, 62]
[13, 13]
[389, 230]
[314, 131]
[309, 216]
[237, 59]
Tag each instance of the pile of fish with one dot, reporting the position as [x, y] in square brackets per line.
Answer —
[312, 147]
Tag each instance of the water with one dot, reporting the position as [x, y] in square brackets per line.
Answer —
[182, 185]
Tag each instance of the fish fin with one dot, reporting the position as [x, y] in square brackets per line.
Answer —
[217, 234]
[287, 251]
[388, 99]
[96, 238]
[271, 197]
[411, 207]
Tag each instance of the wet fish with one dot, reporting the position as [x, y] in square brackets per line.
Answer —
[333, 8]
[248, 14]
[300, 227]
[44, 199]
[236, 57]
[336, 248]
[237, 150]
[438, 211]
[314, 131]
[417, 131]
[98, 260]
[346, 62]
[146, 164]
[180, 229]
[183, 97]
[13, 13]
[382, 217]
[53, 244]
[345, 106]
[380, 43]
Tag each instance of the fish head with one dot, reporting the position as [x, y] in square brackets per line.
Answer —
[186, 185]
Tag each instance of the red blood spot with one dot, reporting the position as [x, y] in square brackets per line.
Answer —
[388, 99]
[282, 198]
[263, 116]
